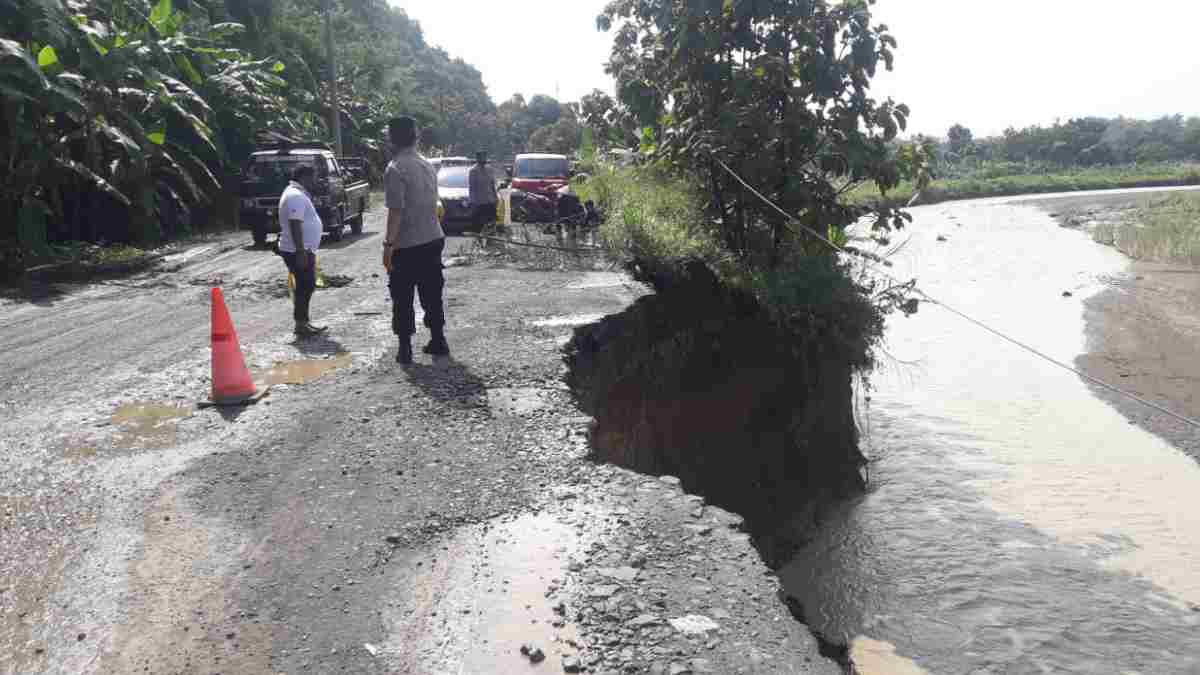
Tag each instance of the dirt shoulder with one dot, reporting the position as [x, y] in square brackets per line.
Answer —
[1143, 330]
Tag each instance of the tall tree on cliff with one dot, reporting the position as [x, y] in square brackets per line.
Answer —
[777, 89]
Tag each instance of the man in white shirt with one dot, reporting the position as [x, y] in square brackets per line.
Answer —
[300, 236]
[412, 248]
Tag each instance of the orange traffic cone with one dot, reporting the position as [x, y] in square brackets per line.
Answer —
[231, 381]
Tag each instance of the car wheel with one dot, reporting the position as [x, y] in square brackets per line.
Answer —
[259, 232]
[356, 225]
[339, 225]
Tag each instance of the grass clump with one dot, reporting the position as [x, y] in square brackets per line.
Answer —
[656, 227]
[1165, 230]
[652, 217]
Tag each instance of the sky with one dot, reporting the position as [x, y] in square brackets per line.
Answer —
[526, 46]
[988, 64]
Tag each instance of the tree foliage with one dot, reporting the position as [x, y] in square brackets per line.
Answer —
[779, 90]
[562, 137]
[1078, 142]
[118, 115]
[611, 124]
[105, 113]
[959, 140]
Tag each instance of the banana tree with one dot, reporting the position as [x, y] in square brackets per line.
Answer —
[105, 110]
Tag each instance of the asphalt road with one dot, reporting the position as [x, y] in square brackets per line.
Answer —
[112, 477]
[364, 517]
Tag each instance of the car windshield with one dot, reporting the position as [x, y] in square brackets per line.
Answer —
[276, 167]
[454, 177]
[541, 167]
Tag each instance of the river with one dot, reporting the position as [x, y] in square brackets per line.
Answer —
[1015, 523]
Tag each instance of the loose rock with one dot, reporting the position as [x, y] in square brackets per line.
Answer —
[618, 573]
[694, 624]
[644, 620]
[604, 591]
[533, 653]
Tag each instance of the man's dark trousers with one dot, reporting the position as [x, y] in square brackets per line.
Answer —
[306, 283]
[420, 268]
[483, 215]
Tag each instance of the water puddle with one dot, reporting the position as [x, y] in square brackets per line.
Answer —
[493, 590]
[303, 371]
[516, 401]
[148, 425]
[79, 451]
[874, 657]
[574, 320]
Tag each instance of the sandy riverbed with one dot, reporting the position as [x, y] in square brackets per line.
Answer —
[1143, 331]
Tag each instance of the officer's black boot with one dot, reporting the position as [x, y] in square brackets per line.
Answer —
[404, 352]
[437, 344]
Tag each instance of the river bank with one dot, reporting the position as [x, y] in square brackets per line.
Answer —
[1142, 328]
[1116, 178]
[1014, 522]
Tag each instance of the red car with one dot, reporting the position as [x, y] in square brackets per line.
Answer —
[540, 173]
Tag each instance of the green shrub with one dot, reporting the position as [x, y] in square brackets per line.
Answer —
[1166, 230]
[651, 216]
[656, 228]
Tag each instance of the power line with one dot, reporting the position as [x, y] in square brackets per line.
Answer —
[961, 314]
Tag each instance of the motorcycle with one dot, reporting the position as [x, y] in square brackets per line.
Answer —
[531, 207]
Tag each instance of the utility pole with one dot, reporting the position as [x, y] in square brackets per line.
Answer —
[335, 116]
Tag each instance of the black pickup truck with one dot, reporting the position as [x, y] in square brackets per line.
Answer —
[342, 195]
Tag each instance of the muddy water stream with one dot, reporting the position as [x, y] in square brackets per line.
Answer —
[1015, 523]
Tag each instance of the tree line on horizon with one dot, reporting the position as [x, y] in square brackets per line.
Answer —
[1075, 143]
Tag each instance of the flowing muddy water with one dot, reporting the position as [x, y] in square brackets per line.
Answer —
[1015, 523]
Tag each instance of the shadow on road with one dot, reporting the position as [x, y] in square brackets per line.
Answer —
[348, 238]
[448, 381]
[37, 293]
[231, 413]
[318, 345]
[268, 247]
